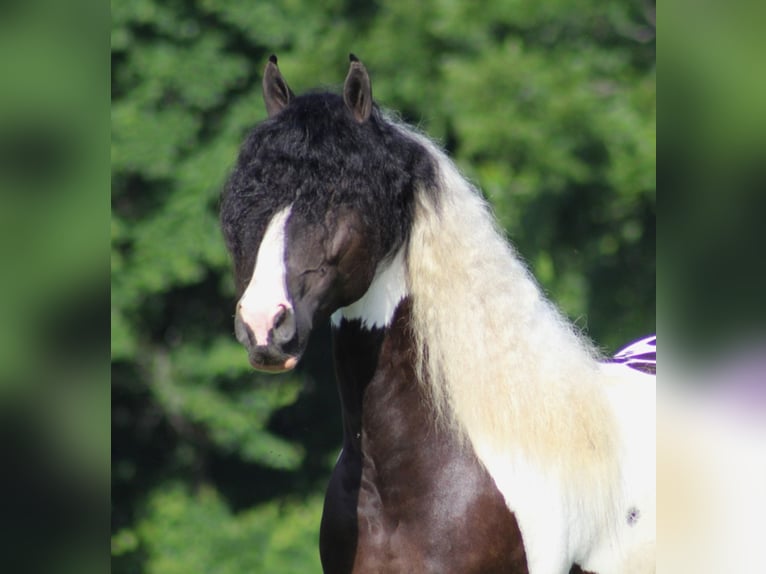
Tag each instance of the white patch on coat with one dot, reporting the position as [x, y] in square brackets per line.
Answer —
[266, 293]
[376, 307]
[629, 546]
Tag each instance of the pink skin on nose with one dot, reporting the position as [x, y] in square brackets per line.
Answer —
[260, 321]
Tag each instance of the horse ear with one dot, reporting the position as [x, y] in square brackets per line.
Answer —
[276, 93]
[357, 90]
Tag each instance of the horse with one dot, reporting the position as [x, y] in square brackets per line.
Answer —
[482, 432]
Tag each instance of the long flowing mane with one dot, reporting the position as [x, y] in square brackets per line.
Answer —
[504, 369]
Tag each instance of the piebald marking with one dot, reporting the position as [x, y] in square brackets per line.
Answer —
[376, 307]
[266, 293]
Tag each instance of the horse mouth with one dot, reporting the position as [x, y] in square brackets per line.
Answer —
[288, 364]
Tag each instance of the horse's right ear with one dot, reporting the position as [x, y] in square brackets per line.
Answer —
[276, 93]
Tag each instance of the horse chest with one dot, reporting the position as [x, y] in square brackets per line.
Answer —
[405, 496]
[453, 522]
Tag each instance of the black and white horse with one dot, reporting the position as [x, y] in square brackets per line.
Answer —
[481, 432]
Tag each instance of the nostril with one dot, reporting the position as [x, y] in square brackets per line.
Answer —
[284, 326]
[243, 332]
[280, 317]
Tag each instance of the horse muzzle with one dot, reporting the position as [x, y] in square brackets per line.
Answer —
[269, 340]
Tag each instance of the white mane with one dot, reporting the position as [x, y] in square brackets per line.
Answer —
[500, 361]
[511, 376]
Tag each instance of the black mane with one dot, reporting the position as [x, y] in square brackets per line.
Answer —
[314, 155]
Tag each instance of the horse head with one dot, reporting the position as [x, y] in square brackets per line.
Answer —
[321, 195]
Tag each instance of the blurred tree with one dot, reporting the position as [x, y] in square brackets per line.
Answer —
[548, 106]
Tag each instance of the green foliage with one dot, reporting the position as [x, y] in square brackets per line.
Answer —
[548, 106]
[185, 533]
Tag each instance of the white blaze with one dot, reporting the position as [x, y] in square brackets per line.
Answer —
[266, 293]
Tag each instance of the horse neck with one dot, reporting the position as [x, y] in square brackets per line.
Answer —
[383, 410]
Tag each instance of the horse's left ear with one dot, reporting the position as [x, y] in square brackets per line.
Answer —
[276, 93]
[357, 90]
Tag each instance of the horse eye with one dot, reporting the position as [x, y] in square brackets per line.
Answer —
[322, 270]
